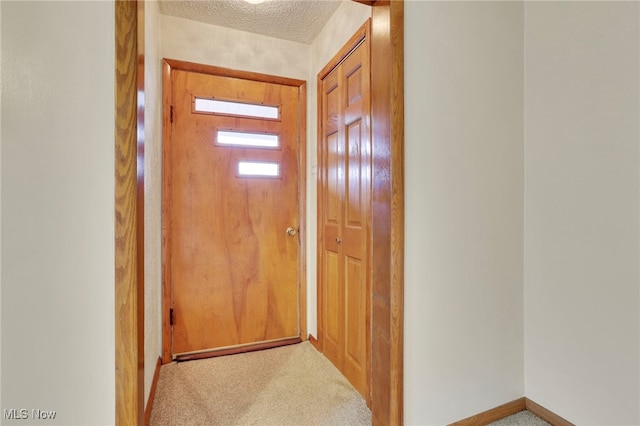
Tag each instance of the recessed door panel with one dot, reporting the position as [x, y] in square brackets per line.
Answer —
[333, 297]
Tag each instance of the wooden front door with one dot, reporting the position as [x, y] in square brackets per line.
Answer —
[345, 211]
[233, 213]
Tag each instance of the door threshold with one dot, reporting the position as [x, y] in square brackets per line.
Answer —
[233, 350]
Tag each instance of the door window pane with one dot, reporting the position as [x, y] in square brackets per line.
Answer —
[251, 140]
[258, 169]
[236, 108]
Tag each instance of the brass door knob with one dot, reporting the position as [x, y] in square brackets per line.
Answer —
[291, 231]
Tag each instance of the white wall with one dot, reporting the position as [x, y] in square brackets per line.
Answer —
[343, 24]
[582, 307]
[472, 342]
[58, 210]
[153, 195]
[225, 47]
[463, 208]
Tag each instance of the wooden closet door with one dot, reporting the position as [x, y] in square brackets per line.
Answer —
[345, 208]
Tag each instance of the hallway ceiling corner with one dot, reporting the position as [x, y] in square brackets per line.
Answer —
[294, 20]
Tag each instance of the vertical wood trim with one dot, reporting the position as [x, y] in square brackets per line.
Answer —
[314, 343]
[381, 367]
[369, 222]
[397, 211]
[319, 216]
[166, 220]
[129, 368]
[388, 215]
[302, 208]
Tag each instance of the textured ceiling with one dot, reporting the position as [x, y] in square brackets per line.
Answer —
[295, 20]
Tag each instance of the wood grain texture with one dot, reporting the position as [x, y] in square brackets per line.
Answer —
[382, 366]
[302, 207]
[493, 414]
[165, 220]
[152, 392]
[228, 72]
[129, 332]
[320, 231]
[546, 414]
[234, 268]
[396, 33]
[168, 66]
[314, 343]
[240, 349]
[172, 66]
[344, 51]
[388, 200]
[344, 210]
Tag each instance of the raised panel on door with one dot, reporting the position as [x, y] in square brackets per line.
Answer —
[354, 198]
[345, 154]
[332, 191]
[333, 298]
[355, 350]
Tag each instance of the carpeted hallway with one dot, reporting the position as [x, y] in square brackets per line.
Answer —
[523, 418]
[291, 385]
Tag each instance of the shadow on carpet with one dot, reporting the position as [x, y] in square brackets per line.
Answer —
[290, 385]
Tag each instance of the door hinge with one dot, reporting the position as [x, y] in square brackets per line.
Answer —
[171, 114]
[172, 318]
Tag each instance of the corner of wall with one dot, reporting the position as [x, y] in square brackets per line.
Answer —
[464, 207]
[153, 188]
[582, 221]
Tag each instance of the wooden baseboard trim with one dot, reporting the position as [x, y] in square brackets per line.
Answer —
[314, 342]
[510, 408]
[545, 414]
[493, 414]
[238, 349]
[152, 392]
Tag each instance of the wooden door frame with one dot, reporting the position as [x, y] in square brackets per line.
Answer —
[129, 212]
[169, 65]
[387, 119]
[388, 198]
[387, 227]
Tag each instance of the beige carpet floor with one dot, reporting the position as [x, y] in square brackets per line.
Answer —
[523, 418]
[291, 385]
